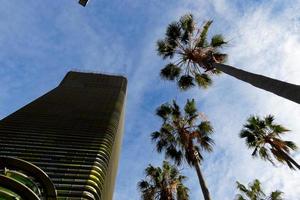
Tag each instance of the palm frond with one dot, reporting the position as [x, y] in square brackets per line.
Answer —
[254, 153]
[161, 144]
[217, 41]
[188, 25]
[291, 145]
[276, 195]
[202, 39]
[216, 71]
[190, 107]
[203, 80]
[265, 154]
[241, 187]
[239, 197]
[164, 111]
[250, 138]
[246, 133]
[174, 172]
[252, 122]
[206, 143]
[205, 127]
[170, 72]
[185, 82]
[269, 119]
[282, 158]
[182, 178]
[255, 192]
[174, 154]
[173, 33]
[251, 141]
[148, 193]
[155, 135]
[182, 192]
[143, 185]
[164, 49]
[175, 110]
[151, 170]
[278, 129]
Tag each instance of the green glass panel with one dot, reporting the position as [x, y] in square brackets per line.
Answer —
[6, 194]
[22, 178]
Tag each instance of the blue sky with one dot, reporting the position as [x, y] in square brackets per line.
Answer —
[41, 40]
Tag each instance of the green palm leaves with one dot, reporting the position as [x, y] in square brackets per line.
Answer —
[264, 136]
[255, 192]
[191, 53]
[182, 135]
[164, 183]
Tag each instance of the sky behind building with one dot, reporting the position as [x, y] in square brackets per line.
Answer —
[41, 40]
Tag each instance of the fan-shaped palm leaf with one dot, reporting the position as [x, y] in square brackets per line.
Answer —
[263, 135]
[170, 72]
[202, 41]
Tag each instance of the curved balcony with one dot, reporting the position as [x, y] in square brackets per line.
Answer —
[20, 180]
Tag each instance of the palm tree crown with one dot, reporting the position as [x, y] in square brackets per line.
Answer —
[164, 183]
[180, 136]
[254, 192]
[264, 136]
[194, 53]
[194, 58]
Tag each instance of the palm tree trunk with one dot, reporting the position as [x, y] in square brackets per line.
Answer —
[165, 195]
[202, 183]
[283, 89]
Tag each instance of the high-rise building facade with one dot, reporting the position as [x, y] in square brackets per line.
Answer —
[72, 133]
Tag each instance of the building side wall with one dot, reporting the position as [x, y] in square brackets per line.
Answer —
[70, 129]
[114, 161]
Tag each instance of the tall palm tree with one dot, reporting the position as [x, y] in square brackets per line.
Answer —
[195, 59]
[184, 136]
[164, 183]
[254, 192]
[264, 136]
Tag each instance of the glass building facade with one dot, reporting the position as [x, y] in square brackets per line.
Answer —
[72, 134]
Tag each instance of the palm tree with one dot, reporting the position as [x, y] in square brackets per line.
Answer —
[195, 59]
[254, 192]
[264, 136]
[184, 136]
[164, 183]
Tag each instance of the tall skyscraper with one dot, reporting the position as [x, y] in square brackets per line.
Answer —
[72, 133]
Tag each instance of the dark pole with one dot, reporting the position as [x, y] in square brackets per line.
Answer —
[83, 2]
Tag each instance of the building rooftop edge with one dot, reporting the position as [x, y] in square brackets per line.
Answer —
[80, 76]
